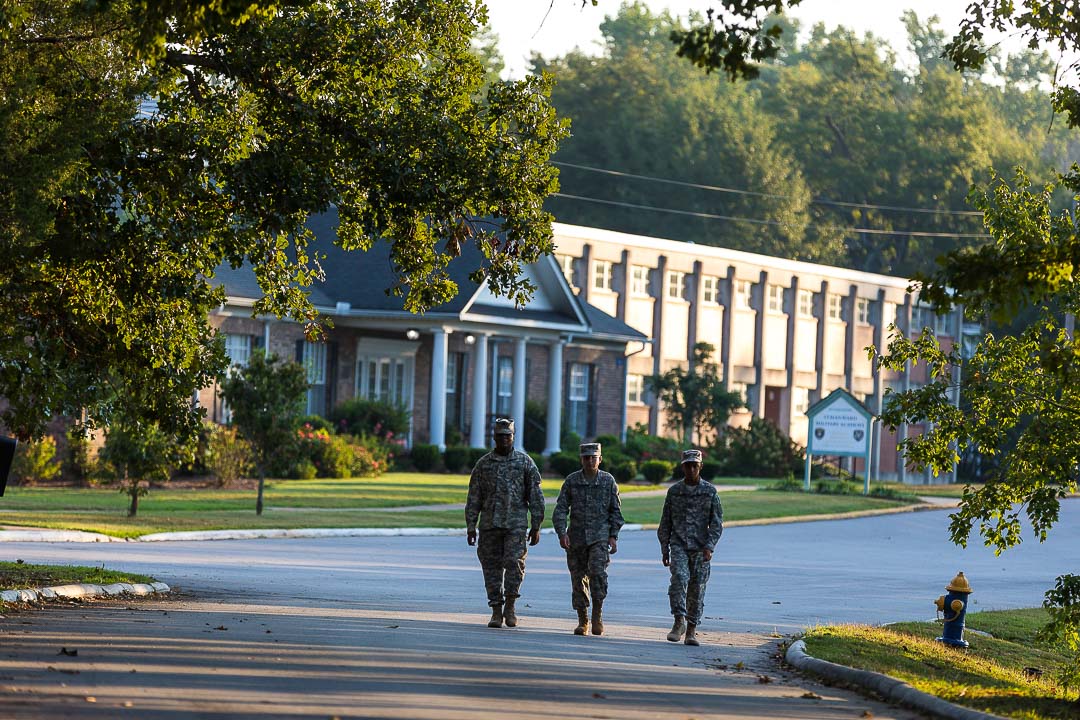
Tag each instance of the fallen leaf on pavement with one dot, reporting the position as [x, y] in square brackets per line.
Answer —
[221, 627]
[599, 696]
[811, 696]
[91, 699]
[763, 679]
[70, 653]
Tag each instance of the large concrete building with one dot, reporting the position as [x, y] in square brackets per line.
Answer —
[623, 307]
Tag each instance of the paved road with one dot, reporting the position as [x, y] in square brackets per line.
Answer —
[393, 627]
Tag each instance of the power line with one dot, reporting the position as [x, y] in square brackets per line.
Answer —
[712, 216]
[716, 188]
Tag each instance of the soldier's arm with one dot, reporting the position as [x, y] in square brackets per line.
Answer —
[562, 510]
[615, 518]
[474, 501]
[716, 521]
[663, 532]
[536, 495]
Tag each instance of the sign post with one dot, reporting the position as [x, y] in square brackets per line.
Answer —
[840, 425]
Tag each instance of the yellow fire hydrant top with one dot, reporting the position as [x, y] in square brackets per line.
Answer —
[959, 584]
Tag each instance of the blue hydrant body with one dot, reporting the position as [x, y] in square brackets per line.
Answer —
[954, 607]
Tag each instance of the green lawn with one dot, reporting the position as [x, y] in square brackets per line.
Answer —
[16, 575]
[989, 676]
[343, 503]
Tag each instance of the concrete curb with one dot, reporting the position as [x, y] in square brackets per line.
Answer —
[82, 590]
[887, 687]
[56, 536]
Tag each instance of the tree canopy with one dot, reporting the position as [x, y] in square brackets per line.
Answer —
[144, 144]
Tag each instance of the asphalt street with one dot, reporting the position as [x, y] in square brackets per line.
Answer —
[394, 627]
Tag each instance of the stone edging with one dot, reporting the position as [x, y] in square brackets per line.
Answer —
[82, 590]
[887, 687]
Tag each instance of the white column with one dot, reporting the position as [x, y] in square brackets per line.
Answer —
[517, 405]
[437, 409]
[554, 406]
[478, 433]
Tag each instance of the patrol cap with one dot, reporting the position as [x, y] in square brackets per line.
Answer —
[590, 449]
[503, 426]
[691, 456]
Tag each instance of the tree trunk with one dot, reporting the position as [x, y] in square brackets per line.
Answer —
[133, 491]
[259, 496]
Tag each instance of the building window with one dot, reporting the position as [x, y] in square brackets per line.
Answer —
[384, 371]
[635, 389]
[835, 312]
[504, 388]
[776, 298]
[566, 264]
[806, 303]
[710, 289]
[602, 274]
[456, 366]
[578, 415]
[942, 324]
[801, 400]
[743, 288]
[238, 348]
[676, 285]
[639, 280]
[862, 311]
[314, 361]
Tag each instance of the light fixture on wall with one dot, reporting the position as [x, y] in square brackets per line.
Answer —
[412, 334]
[470, 339]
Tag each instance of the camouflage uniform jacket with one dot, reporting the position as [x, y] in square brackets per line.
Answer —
[593, 505]
[692, 517]
[504, 492]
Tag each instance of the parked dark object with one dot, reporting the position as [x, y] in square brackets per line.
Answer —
[7, 454]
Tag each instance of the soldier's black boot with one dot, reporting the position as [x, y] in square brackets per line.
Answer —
[677, 629]
[509, 616]
[691, 636]
[582, 622]
[496, 616]
[597, 618]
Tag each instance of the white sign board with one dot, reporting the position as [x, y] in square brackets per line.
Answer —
[840, 429]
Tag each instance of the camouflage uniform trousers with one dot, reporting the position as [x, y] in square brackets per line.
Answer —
[588, 571]
[689, 576]
[502, 557]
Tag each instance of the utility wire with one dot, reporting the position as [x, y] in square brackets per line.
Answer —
[715, 188]
[711, 216]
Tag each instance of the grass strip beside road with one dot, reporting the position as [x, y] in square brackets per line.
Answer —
[170, 516]
[19, 575]
[1007, 674]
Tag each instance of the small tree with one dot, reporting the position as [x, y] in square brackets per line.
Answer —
[228, 455]
[136, 451]
[266, 400]
[35, 460]
[695, 397]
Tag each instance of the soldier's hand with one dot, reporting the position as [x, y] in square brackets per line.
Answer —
[564, 542]
[613, 545]
[708, 555]
[534, 536]
[666, 560]
[471, 537]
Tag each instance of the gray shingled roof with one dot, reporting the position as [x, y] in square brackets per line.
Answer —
[361, 279]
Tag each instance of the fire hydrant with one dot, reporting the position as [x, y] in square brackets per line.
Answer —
[954, 607]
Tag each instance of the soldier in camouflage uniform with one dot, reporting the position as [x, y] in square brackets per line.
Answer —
[591, 499]
[504, 494]
[690, 527]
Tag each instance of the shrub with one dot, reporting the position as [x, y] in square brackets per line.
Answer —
[656, 471]
[332, 455]
[357, 416]
[425, 457]
[640, 445]
[710, 469]
[318, 422]
[570, 442]
[761, 450]
[623, 469]
[35, 461]
[304, 470]
[563, 463]
[228, 455]
[609, 444]
[789, 484]
[370, 456]
[534, 436]
[838, 487]
[455, 458]
[537, 458]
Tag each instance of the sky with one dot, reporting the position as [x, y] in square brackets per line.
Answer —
[522, 29]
